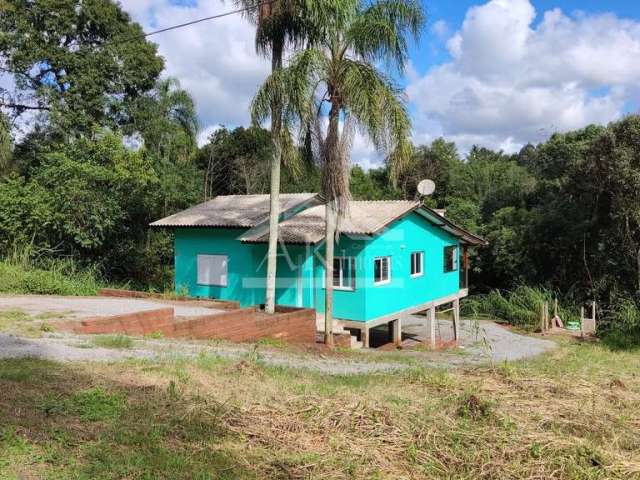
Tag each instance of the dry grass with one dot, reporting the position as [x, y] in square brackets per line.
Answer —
[19, 322]
[573, 414]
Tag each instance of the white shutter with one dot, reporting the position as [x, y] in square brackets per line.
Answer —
[213, 270]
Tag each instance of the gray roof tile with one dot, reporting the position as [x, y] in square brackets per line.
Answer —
[232, 211]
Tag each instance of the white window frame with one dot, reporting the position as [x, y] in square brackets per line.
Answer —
[419, 272]
[388, 279]
[342, 286]
[224, 270]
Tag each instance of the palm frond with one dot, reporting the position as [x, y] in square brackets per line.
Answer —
[380, 32]
[379, 108]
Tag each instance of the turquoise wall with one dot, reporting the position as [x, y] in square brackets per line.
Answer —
[247, 268]
[410, 234]
[301, 272]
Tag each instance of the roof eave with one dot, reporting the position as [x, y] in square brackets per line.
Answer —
[450, 227]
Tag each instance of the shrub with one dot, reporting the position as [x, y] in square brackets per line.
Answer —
[23, 272]
[619, 325]
[519, 307]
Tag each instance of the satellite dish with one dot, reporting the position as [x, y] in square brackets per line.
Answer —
[426, 187]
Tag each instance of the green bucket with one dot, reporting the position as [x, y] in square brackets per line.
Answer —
[573, 325]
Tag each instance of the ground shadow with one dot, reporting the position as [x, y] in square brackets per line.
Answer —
[57, 420]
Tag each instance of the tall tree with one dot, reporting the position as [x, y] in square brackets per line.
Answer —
[336, 77]
[278, 23]
[80, 61]
[5, 145]
[166, 119]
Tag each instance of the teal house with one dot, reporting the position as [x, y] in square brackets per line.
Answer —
[393, 258]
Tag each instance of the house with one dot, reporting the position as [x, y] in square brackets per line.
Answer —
[392, 258]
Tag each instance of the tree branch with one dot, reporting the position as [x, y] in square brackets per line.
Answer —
[19, 106]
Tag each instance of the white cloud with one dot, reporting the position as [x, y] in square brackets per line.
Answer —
[215, 61]
[440, 29]
[513, 76]
[510, 82]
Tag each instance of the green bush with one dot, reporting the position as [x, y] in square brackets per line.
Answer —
[619, 326]
[519, 307]
[20, 274]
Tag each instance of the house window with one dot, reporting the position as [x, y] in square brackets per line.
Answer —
[382, 270]
[450, 258]
[212, 270]
[344, 273]
[417, 259]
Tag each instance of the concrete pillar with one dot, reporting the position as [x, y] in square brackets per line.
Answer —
[397, 331]
[431, 326]
[456, 320]
[364, 336]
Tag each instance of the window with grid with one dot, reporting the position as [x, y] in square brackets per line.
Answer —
[344, 273]
[417, 259]
[382, 270]
[450, 258]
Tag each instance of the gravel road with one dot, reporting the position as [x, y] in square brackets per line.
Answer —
[481, 343]
[68, 347]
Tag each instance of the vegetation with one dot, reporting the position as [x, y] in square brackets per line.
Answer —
[107, 147]
[113, 341]
[337, 72]
[78, 63]
[520, 307]
[49, 276]
[570, 415]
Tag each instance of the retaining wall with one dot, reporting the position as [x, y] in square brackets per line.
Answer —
[241, 325]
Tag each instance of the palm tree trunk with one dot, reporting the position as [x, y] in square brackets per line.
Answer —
[274, 214]
[274, 201]
[330, 232]
[332, 188]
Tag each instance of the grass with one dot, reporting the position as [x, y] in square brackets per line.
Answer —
[572, 414]
[113, 341]
[22, 323]
[57, 277]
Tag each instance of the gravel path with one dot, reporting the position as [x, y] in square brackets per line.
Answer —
[82, 307]
[67, 347]
[480, 343]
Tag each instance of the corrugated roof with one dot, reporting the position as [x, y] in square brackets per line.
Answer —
[232, 211]
[363, 218]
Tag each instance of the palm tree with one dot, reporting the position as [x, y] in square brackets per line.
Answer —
[278, 24]
[166, 119]
[334, 80]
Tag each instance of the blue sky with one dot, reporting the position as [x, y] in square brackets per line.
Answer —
[496, 73]
[452, 12]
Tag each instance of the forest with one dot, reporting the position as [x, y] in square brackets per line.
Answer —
[96, 142]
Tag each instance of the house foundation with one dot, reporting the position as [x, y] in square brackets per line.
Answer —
[394, 321]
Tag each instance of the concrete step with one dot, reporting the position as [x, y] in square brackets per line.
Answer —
[355, 344]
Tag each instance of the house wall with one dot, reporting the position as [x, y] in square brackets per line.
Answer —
[410, 234]
[369, 301]
[347, 304]
[242, 266]
[247, 267]
[300, 279]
